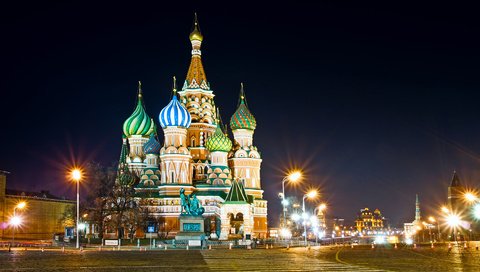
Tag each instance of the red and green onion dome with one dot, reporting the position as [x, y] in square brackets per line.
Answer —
[152, 146]
[242, 118]
[218, 142]
[139, 123]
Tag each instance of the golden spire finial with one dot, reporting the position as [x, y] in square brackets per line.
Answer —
[139, 88]
[174, 85]
[196, 34]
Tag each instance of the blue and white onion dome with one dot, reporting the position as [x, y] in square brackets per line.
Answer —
[175, 115]
[152, 146]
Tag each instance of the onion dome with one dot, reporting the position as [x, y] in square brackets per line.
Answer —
[196, 35]
[152, 146]
[139, 123]
[219, 141]
[242, 118]
[174, 114]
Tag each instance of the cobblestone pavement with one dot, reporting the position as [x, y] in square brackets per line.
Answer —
[294, 259]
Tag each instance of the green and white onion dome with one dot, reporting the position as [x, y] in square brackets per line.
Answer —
[219, 142]
[139, 123]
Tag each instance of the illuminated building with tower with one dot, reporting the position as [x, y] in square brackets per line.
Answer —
[198, 156]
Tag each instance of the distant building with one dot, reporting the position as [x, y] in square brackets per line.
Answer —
[411, 228]
[369, 222]
[455, 194]
[42, 217]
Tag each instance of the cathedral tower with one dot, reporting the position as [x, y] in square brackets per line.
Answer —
[245, 159]
[137, 129]
[197, 97]
[174, 155]
[219, 145]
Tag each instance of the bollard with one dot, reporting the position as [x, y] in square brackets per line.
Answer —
[351, 246]
[209, 247]
[449, 245]
[187, 247]
[432, 246]
[42, 249]
[113, 248]
[165, 247]
[230, 246]
[465, 246]
[63, 249]
[266, 246]
[414, 245]
[373, 246]
[396, 246]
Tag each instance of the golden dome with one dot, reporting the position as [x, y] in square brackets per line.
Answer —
[196, 34]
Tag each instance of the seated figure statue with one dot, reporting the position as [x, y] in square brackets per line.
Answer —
[195, 206]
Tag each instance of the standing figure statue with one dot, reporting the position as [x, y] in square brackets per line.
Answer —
[184, 199]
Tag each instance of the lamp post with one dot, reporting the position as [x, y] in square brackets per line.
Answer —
[310, 194]
[432, 220]
[15, 221]
[293, 177]
[321, 208]
[77, 176]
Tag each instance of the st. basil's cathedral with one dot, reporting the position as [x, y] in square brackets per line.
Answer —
[198, 156]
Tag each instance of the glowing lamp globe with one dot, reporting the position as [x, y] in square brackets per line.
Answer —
[16, 221]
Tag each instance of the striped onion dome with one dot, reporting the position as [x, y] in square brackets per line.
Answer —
[139, 123]
[152, 146]
[175, 115]
[242, 118]
[219, 141]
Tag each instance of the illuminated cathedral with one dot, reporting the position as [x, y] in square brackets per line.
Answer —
[197, 155]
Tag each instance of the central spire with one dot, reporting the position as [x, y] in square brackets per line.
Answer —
[196, 77]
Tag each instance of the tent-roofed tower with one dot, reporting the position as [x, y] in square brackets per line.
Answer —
[245, 161]
[455, 193]
[197, 97]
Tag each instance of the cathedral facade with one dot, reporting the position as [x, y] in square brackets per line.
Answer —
[198, 156]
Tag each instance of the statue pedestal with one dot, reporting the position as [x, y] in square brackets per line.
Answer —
[191, 228]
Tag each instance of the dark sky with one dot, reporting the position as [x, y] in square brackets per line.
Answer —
[376, 102]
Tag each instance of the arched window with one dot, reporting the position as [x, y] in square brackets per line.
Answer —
[192, 142]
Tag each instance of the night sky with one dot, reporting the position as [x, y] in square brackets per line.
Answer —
[375, 102]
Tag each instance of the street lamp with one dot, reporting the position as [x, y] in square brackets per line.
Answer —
[16, 221]
[470, 197]
[310, 194]
[321, 208]
[293, 177]
[453, 221]
[432, 220]
[77, 176]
